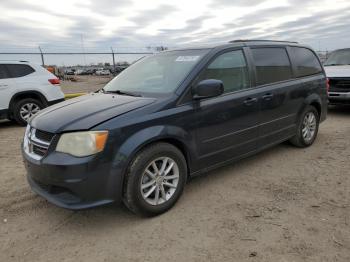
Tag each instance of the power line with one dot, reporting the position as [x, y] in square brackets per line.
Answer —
[75, 53]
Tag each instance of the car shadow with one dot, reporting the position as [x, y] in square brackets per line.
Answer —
[112, 214]
[8, 123]
[339, 109]
[107, 216]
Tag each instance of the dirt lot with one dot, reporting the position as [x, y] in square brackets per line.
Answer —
[285, 204]
[85, 84]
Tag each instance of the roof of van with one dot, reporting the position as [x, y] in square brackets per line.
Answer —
[240, 43]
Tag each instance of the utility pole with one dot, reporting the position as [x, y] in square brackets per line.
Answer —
[319, 45]
[42, 56]
[83, 48]
[113, 58]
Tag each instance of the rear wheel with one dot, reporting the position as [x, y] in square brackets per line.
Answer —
[24, 109]
[307, 128]
[155, 180]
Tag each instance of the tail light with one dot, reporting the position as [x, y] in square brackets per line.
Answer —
[54, 81]
[328, 85]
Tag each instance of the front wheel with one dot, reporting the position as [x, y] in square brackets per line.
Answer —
[307, 128]
[155, 179]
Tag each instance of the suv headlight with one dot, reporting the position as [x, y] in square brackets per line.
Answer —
[82, 143]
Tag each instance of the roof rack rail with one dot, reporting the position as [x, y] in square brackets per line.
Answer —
[260, 40]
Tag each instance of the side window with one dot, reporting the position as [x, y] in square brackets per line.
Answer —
[272, 65]
[306, 62]
[3, 72]
[231, 68]
[19, 70]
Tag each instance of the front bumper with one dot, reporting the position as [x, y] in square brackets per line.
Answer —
[339, 98]
[73, 183]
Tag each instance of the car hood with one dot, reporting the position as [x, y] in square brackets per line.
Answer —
[85, 112]
[337, 71]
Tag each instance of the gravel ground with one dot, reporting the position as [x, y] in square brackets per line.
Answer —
[85, 84]
[285, 204]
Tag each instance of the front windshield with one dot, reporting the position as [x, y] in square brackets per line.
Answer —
[340, 57]
[157, 74]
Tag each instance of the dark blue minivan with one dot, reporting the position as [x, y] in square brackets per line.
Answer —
[171, 116]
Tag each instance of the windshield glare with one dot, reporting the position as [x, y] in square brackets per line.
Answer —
[157, 74]
[340, 57]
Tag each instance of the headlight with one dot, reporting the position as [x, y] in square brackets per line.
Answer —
[82, 143]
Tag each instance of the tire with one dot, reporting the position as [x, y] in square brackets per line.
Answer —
[135, 198]
[300, 139]
[28, 103]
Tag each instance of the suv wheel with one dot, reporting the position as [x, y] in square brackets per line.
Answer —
[155, 180]
[307, 128]
[25, 109]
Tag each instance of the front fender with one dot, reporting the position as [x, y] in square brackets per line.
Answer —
[133, 144]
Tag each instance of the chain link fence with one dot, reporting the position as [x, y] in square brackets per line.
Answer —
[90, 69]
[80, 71]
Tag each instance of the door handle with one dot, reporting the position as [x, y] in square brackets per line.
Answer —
[267, 96]
[4, 85]
[249, 101]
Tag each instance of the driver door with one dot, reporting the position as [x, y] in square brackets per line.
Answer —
[227, 125]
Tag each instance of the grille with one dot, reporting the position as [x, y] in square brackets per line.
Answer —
[36, 142]
[341, 85]
[64, 194]
[43, 186]
[44, 136]
[41, 151]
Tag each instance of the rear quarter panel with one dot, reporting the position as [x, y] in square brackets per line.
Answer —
[315, 93]
[38, 81]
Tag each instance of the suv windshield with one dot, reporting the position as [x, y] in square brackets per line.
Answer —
[157, 74]
[339, 57]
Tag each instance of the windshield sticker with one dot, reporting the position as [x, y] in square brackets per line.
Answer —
[187, 58]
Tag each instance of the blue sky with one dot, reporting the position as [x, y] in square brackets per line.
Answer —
[132, 25]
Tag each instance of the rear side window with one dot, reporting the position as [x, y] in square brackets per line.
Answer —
[306, 62]
[19, 70]
[272, 65]
[3, 72]
[231, 69]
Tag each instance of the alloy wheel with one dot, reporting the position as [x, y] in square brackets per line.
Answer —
[28, 110]
[309, 126]
[159, 181]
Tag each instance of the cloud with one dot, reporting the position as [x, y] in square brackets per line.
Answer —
[146, 17]
[140, 23]
[225, 3]
[191, 26]
[107, 7]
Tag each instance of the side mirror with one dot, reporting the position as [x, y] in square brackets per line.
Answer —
[208, 88]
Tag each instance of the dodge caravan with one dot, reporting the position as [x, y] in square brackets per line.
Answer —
[172, 116]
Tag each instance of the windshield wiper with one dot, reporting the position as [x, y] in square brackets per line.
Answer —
[120, 92]
[101, 90]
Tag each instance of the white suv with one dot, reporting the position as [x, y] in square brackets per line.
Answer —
[25, 89]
